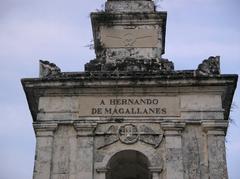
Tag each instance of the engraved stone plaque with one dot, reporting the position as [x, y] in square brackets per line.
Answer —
[129, 38]
[112, 106]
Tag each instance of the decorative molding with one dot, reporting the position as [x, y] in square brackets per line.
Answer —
[130, 134]
[45, 129]
[215, 127]
[102, 170]
[85, 129]
[129, 38]
[173, 128]
[155, 169]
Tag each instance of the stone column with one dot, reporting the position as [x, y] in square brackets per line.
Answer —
[216, 132]
[173, 148]
[85, 149]
[44, 147]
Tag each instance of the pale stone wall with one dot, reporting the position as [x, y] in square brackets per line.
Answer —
[186, 150]
[189, 145]
[135, 35]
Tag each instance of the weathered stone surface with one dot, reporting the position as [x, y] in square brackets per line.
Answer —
[194, 147]
[133, 84]
[129, 38]
[129, 6]
[129, 64]
[44, 150]
[128, 134]
[64, 152]
[48, 69]
[123, 35]
[176, 149]
[210, 66]
[112, 106]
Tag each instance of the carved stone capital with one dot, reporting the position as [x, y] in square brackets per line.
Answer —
[44, 129]
[85, 129]
[102, 170]
[173, 128]
[155, 169]
[215, 127]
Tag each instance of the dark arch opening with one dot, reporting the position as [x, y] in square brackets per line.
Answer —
[128, 164]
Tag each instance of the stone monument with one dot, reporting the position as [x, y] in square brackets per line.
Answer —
[130, 115]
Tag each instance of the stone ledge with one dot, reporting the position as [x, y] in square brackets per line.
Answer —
[121, 75]
[131, 65]
[173, 128]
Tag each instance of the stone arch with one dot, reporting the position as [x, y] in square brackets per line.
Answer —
[128, 164]
[107, 158]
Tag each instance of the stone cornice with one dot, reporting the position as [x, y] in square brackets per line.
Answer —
[38, 87]
[86, 79]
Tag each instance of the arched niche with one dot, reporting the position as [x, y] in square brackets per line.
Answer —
[128, 164]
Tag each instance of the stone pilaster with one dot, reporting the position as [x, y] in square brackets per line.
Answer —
[85, 147]
[101, 173]
[216, 132]
[156, 172]
[174, 155]
[44, 149]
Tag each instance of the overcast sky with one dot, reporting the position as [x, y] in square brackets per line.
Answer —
[59, 30]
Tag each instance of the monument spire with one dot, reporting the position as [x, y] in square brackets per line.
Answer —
[129, 36]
